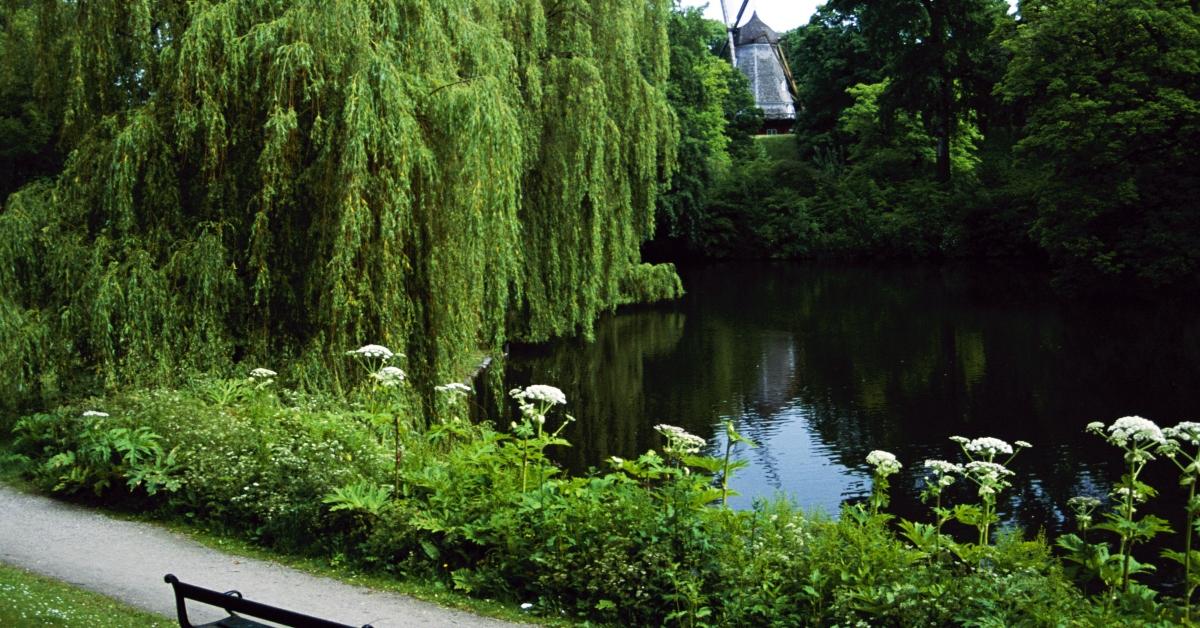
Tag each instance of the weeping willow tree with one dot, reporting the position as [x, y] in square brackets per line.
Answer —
[267, 180]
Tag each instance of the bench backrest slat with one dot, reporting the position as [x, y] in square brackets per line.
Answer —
[237, 604]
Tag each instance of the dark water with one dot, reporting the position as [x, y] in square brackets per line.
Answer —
[821, 365]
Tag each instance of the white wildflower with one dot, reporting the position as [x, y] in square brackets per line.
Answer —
[961, 440]
[261, 373]
[1094, 426]
[1187, 432]
[679, 439]
[540, 392]
[526, 606]
[1137, 429]
[457, 388]
[1023, 444]
[389, 376]
[943, 467]
[988, 446]
[985, 469]
[944, 471]
[373, 352]
[1083, 502]
[885, 463]
[1123, 492]
[95, 413]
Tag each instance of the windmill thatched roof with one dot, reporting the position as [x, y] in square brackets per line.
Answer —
[759, 58]
[756, 32]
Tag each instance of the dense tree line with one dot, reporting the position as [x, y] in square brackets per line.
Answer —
[1064, 133]
[208, 182]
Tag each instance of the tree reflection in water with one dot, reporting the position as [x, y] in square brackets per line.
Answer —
[820, 365]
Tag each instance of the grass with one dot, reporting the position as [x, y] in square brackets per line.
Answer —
[27, 599]
[778, 147]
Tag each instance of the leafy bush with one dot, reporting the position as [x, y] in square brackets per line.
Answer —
[486, 512]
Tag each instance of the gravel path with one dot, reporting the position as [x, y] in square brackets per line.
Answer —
[127, 561]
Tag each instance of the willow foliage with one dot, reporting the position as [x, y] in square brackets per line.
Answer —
[267, 179]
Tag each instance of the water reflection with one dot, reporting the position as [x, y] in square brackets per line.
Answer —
[822, 365]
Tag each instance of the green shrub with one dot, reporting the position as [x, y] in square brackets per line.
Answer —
[649, 283]
[486, 512]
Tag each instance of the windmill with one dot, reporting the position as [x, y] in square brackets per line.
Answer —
[754, 49]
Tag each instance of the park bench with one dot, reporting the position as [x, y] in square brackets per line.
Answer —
[234, 603]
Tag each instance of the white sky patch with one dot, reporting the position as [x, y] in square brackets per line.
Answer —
[780, 15]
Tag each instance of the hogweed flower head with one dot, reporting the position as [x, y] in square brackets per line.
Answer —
[454, 388]
[679, 440]
[1185, 433]
[374, 352]
[1135, 429]
[389, 376]
[1083, 506]
[885, 462]
[262, 373]
[943, 471]
[987, 446]
[991, 477]
[540, 393]
[95, 413]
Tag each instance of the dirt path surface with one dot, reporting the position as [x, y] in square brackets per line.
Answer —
[127, 561]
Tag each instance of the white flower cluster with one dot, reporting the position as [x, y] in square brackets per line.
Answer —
[540, 393]
[1123, 492]
[944, 470]
[378, 352]
[456, 388]
[95, 413]
[389, 376]
[1136, 429]
[679, 439]
[1083, 503]
[987, 446]
[885, 462]
[1187, 432]
[983, 469]
[261, 373]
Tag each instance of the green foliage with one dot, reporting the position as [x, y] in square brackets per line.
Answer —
[32, 52]
[935, 54]
[1112, 91]
[270, 180]
[648, 283]
[707, 99]
[487, 513]
[87, 452]
[828, 56]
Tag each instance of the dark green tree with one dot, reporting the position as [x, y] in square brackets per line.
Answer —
[32, 51]
[1112, 94]
[828, 56]
[699, 92]
[936, 54]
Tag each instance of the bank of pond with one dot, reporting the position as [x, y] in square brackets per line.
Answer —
[786, 445]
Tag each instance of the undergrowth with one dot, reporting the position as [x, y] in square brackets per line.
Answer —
[363, 481]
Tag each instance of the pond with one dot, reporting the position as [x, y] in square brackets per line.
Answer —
[820, 365]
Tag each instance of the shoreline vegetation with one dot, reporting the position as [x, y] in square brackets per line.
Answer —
[363, 481]
[201, 188]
